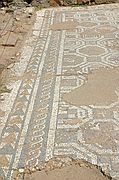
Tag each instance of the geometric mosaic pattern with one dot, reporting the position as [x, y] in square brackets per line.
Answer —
[36, 124]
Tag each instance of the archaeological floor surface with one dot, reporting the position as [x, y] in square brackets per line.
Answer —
[64, 91]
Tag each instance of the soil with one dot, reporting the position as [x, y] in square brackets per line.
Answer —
[101, 88]
[73, 172]
[63, 168]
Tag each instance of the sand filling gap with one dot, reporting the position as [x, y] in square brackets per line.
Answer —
[101, 88]
[64, 25]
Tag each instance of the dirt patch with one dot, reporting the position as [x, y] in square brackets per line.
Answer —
[64, 25]
[101, 88]
[72, 172]
[62, 168]
[15, 24]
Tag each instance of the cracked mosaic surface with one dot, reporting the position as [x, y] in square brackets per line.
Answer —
[36, 124]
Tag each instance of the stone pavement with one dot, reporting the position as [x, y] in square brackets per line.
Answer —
[36, 123]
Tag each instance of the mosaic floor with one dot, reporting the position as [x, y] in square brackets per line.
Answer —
[36, 123]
